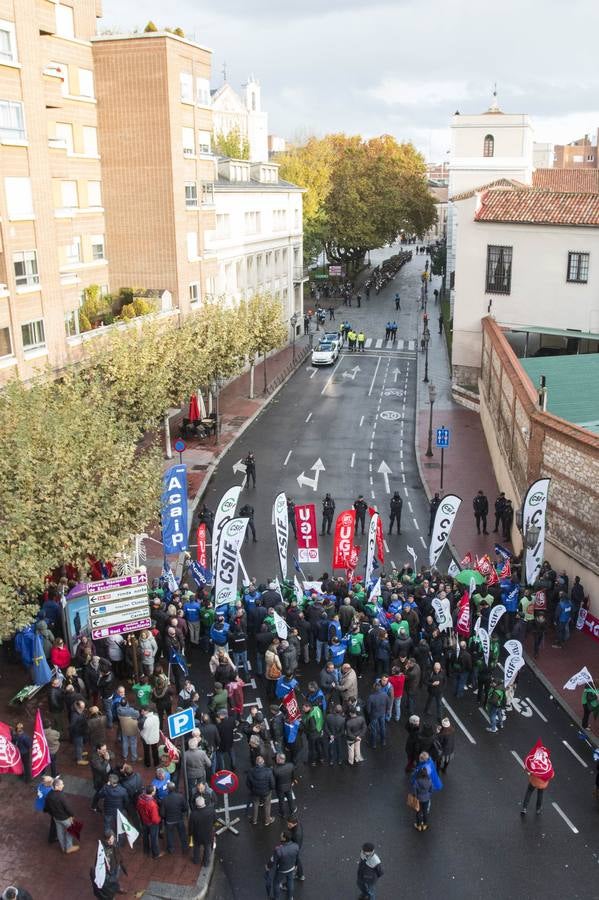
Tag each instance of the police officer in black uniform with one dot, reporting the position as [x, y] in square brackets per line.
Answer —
[499, 507]
[206, 517]
[247, 511]
[360, 507]
[328, 511]
[434, 505]
[250, 469]
[291, 515]
[480, 505]
[396, 504]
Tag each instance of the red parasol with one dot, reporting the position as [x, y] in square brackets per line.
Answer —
[194, 409]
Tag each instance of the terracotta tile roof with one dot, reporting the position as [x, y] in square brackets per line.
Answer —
[584, 181]
[533, 206]
[498, 183]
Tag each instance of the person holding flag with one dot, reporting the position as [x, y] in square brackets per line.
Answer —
[540, 771]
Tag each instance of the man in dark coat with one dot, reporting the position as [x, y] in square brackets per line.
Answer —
[172, 810]
[201, 830]
[480, 504]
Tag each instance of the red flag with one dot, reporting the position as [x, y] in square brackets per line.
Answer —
[194, 410]
[307, 533]
[492, 577]
[344, 537]
[463, 623]
[40, 752]
[201, 542]
[466, 563]
[351, 562]
[484, 565]
[538, 762]
[540, 601]
[291, 707]
[10, 758]
[506, 571]
[173, 753]
[380, 541]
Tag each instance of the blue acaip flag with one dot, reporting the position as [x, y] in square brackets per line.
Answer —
[41, 669]
[199, 573]
[291, 729]
[503, 551]
[297, 566]
[175, 659]
[174, 509]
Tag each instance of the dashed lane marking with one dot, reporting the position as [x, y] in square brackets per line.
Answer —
[538, 711]
[575, 754]
[308, 417]
[484, 714]
[378, 362]
[560, 812]
[416, 525]
[423, 542]
[361, 421]
[518, 759]
[385, 546]
[458, 720]
[353, 457]
[287, 457]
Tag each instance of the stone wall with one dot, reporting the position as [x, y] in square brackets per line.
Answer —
[526, 443]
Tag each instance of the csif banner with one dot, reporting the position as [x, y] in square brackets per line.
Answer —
[227, 561]
[174, 509]
[371, 547]
[280, 519]
[224, 512]
[444, 519]
[307, 533]
[534, 512]
[380, 540]
[442, 613]
[344, 538]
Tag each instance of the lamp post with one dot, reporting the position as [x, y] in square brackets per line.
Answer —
[293, 321]
[432, 396]
[427, 337]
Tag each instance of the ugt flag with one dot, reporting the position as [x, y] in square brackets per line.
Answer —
[10, 758]
[40, 752]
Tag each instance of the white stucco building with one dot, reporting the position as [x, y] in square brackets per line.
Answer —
[529, 256]
[231, 111]
[258, 240]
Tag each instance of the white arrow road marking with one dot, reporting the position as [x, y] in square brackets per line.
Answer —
[240, 466]
[352, 373]
[302, 479]
[385, 471]
[396, 372]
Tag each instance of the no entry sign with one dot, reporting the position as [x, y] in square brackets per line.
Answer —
[224, 782]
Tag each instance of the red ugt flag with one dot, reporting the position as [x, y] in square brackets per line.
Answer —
[201, 542]
[10, 758]
[538, 762]
[463, 622]
[344, 538]
[40, 752]
[291, 707]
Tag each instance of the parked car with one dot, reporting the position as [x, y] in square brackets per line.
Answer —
[325, 353]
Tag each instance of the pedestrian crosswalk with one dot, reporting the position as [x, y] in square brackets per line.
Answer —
[380, 344]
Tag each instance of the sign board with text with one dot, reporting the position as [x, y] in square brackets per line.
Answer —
[307, 535]
[118, 605]
[443, 438]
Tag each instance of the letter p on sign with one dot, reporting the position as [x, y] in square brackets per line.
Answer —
[180, 723]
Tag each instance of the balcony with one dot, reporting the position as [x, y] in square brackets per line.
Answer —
[57, 144]
[300, 274]
[53, 79]
[207, 194]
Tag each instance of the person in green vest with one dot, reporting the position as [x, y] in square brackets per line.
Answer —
[590, 704]
[527, 608]
[143, 691]
[207, 616]
[355, 649]
[313, 722]
[494, 651]
[495, 705]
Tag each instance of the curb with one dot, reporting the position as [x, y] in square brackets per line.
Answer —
[559, 699]
[158, 890]
[214, 464]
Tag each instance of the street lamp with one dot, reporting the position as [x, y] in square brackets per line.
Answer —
[293, 321]
[432, 396]
[427, 337]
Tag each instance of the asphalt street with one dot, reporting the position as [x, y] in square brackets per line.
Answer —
[478, 844]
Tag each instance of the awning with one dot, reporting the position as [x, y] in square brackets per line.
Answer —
[554, 332]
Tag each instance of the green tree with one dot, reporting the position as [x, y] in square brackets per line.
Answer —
[233, 144]
[264, 329]
[150, 27]
[310, 167]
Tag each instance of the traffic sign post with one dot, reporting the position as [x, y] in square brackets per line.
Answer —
[180, 446]
[180, 723]
[443, 443]
[118, 605]
[225, 783]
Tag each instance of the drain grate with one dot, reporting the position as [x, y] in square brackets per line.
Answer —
[199, 468]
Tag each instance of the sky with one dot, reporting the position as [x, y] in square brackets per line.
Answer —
[401, 68]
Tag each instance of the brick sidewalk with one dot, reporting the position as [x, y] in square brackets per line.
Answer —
[468, 469]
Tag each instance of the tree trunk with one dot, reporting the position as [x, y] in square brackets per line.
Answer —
[167, 437]
[252, 368]
[265, 382]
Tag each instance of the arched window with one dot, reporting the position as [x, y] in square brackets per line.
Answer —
[489, 145]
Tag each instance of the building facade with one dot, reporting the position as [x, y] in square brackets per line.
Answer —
[155, 117]
[527, 257]
[243, 113]
[580, 154]
[52, 230]
[258, 235]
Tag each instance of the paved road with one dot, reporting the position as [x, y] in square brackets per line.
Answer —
[478, 845]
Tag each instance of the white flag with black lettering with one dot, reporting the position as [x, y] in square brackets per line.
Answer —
[227, 561]
[513, 664]
[371, 549]
[494, 617]
[442, 613]
[483, 636]
[280, 518]
[534, 512]
[444, 519]
[577, 680]
[224, 512]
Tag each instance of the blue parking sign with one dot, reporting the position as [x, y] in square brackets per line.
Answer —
[180, 723]
[443, 438]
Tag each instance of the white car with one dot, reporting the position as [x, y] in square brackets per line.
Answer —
[325, 353]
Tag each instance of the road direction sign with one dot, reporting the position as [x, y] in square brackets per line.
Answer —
[180, 723]
[118, 605]
[385, 472]
[443, 438]
[224, 782]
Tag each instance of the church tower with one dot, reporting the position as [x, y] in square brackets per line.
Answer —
[257, 130]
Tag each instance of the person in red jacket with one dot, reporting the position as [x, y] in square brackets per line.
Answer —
[149, 814]
[60, 655]
[397, 681]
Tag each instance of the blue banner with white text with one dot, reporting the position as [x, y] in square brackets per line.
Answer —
[174, 509]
